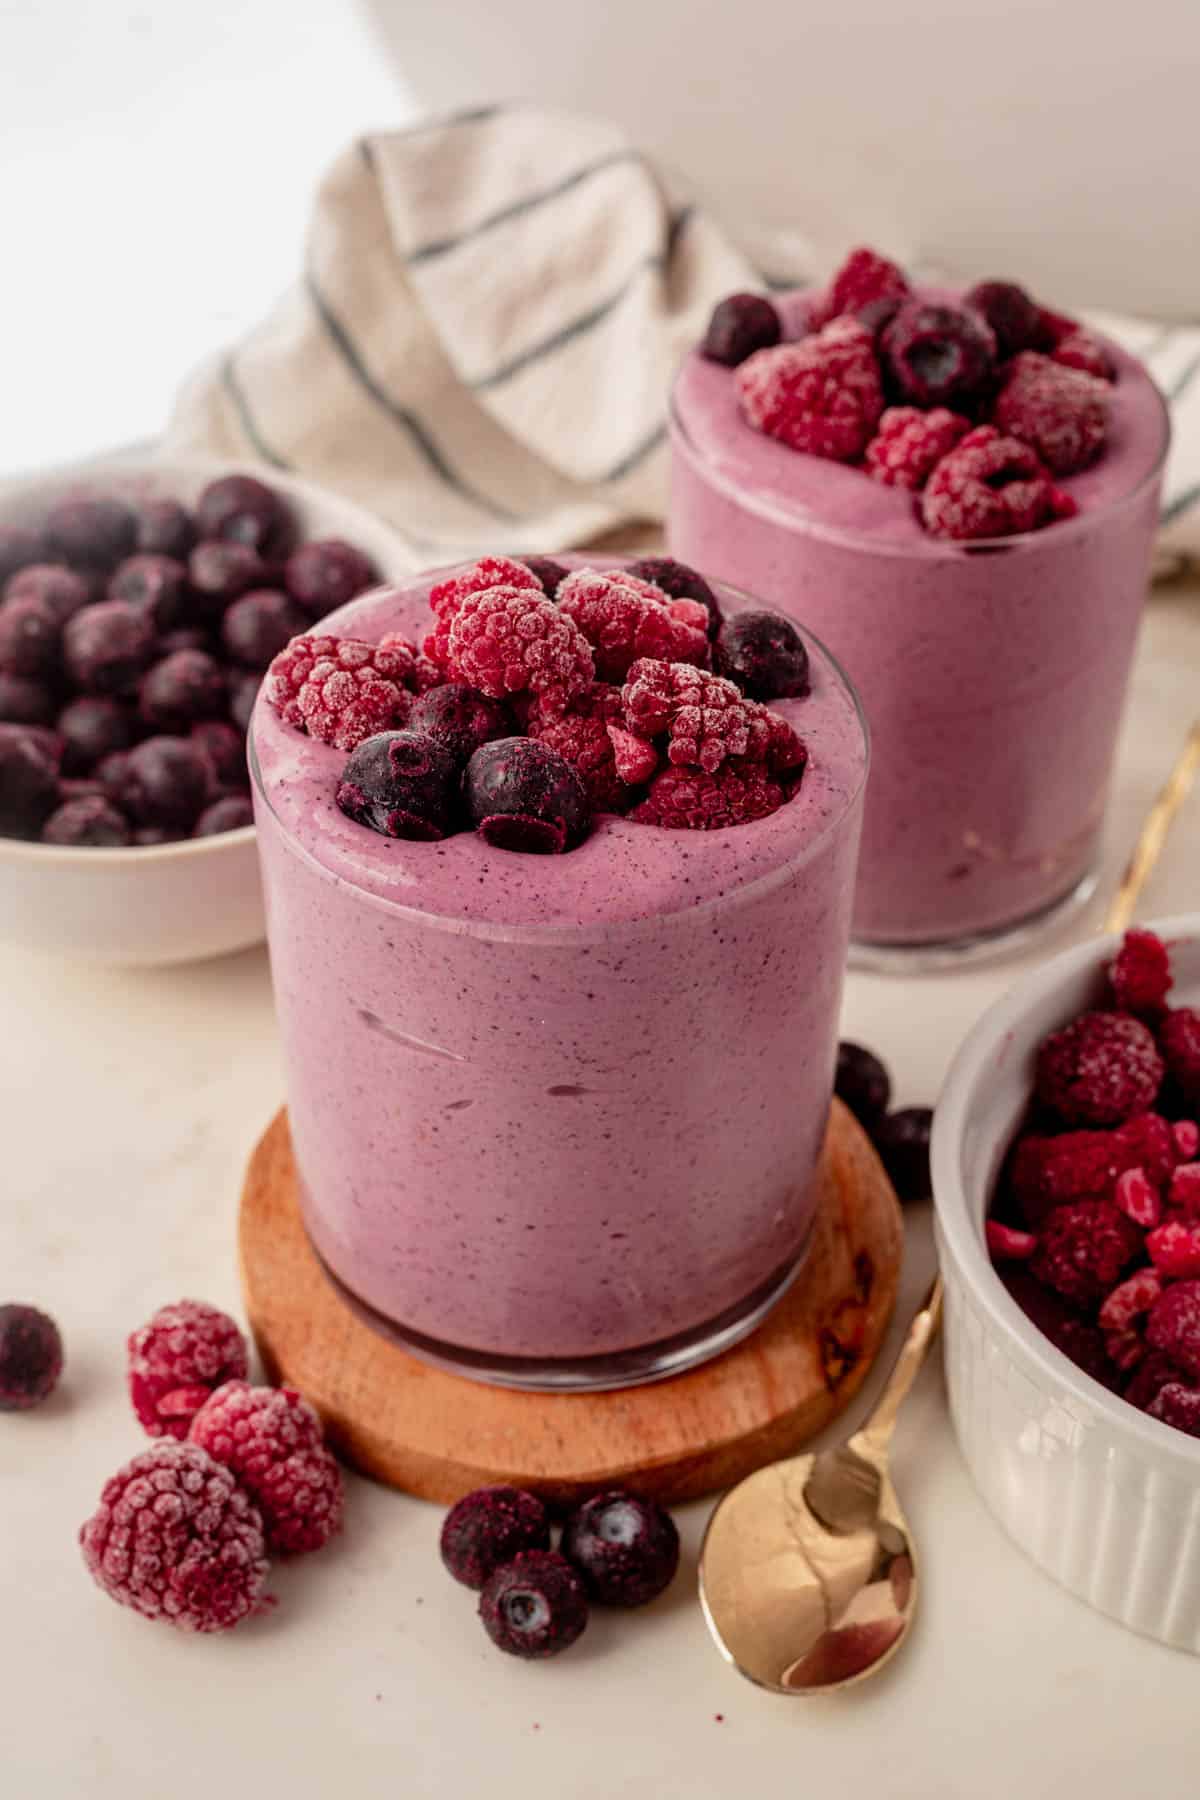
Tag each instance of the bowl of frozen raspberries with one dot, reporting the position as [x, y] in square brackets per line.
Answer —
[140, 604]
[1066, 1174]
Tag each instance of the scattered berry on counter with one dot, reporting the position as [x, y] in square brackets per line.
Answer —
[763, 654]
[240, 509]
[938, 356]
[487, 1528]
[1059, 412]
[1099, 1070]
[625, 1548]
[326, 574]
[534, 1606]
[902, 1140]
[403, 785]
[740, 325]
[862, 1082]
[522, 795]
[31, 1357]
[176, 1537]
[679, 581]
[176, 1360]
[822, 395]
[273, 1441]
[909, 444]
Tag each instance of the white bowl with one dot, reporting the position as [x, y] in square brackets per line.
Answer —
[1104, 1498]
[172, 902]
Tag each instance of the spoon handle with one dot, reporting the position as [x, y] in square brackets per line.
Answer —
[921, 1334]
[1153, 835]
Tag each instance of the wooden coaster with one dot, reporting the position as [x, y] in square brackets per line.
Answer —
[438, 1435]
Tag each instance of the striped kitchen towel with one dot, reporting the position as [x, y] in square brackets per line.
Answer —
[483, 341]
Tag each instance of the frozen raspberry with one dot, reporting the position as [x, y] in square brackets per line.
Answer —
[20, 545]
[705, 717]
[509, 640]
[1137, 1198]
[1083, 1249]
[274, 1442]
[107, 646]
[30, 638]
[987, 486]
[535, 1605]
[902, 1140]
[218, 572]
[1151, 1372]
[61, 591]
[693, 800]
[88, 821]
[1099, 1070]
[740, 324]
[1080, 350]
[1174, 1249]
[522, 795]
[763, 654]
[1147, 1142]
[679, 581]
[862, 1083]
[822, 395]
[186, 686]
[29, 761]
[243, 510]
[1014, 318]
[581, 734]
[1186, 1134]
[486, 1529]
[863, 278]
[31, 1357]
[909, 444]
[1140, 974]
[622, 621]
[96, 533]
[24, 702]
[625, 1548]
[1185, 1189]
[339, 689]
[1006, 1243]
[176, 1537]
[1059, 412]
[223, 748]
[164, 528]
[459, 719]
[162, 783]
[403, 785]
[1177, 1405]
[633, 758]
[176, 1361]
[1174, 1326]
[153, 585]
[445, 597]
[324, 575]
[1179, 1040]
[1130, 1301]
[1081, 1343]
[938, 355]
[256, 627]
[232, 812]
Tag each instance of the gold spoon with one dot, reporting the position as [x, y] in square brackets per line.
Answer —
[808, 1574]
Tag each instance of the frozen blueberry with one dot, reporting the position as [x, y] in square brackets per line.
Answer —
[31, 1357]
[153, 585]
[534, 1606]
[326, 574]
[862, 1083]
[547, 570]
[681, 582]
[30, 640]
[61, 591]
[149, 837]
[183, 687]
[764, 654]
[626, 1549]
[161, 783]
[91, 728]
[25, 702]
[28, 780]
[223, 748]
[230, 813]
[164, 528]
[255, 628]
[938, 355]
[109, 774]
[1014, 317]
[459, 718]
[402, 784]
[87, 820]
[243, 692]
[20, 545]
[96, 533]
[243, 510]
[522, 795]
[485, 1529]
[740, 325]
[902, 1140]
[106, 647]
[219, 572]
[186, 637]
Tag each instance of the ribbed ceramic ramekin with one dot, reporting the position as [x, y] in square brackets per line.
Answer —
[1104, 1498]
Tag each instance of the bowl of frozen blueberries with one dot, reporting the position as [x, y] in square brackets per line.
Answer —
[140, 603]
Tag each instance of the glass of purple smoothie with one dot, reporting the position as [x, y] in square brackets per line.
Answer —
[993, 673]
[556, 1118]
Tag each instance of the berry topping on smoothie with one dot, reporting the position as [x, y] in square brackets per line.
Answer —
[910, 444]
[990, 486]
[937, 355]
[522, 795]
[623, 618]
[1060, 412]
[402, 784]
[679, 582]
[864, 279]
[763, 654]
[740, 325]
[823, 395]
[340, 690]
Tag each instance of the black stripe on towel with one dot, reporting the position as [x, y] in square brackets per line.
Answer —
[1183, 380]
[1181, 504]
[630, 461]
[237, 393]
[530, 203]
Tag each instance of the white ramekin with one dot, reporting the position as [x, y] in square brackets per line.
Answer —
[1104, 1498]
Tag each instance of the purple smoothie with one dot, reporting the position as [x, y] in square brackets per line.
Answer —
[550, 1112]
[993, 675]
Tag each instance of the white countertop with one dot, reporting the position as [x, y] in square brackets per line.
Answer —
[130, 1103]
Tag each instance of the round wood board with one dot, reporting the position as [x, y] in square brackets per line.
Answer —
[439, 1435]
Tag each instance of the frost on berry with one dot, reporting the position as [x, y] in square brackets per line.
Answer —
[863, 277]
[509, 640]
[1174, 1249]
[624, 618]
[695, 800]
[1140, 974]
[1177, 1405]
[176, 1360]
[634, 759]
[1047, 1171]
[1059, 412]
[272, 1440]
[1186, 1134]
[1185, 1189]
[340, 690]
[910, 443]
[1174, 1326]
[445, 597]
[704, 718]
[582, 735]
[1099, 1070]
[988, 486]
[1179, 1041]
[1138, 1198]
[1081, 350]
[1131, 1300]
[1083, 1249]
[823, 395]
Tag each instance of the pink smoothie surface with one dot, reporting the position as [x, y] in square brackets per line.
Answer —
[558, 1107]
[992, 676]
